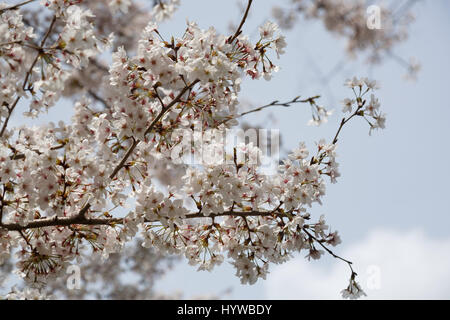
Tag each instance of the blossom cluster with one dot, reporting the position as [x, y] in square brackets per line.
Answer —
[369, 110]
[38, 70]
[253, 218]
[216, 62]
[164, 10]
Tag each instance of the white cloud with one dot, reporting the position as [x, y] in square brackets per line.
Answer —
[411, 265]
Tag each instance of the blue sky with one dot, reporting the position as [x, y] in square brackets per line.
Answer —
[394, 185]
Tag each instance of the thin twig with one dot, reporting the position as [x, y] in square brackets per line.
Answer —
[281, 104]
[239, 29]
[27, 77]
[328, 250]
[343, 122]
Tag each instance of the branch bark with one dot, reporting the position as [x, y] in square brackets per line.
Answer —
[244, 18]
[81, 220]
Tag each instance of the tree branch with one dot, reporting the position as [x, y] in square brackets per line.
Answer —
[281, 104]
[239, 29]
[82, 220]
[305, 230]
[16, 6]
[27, 76]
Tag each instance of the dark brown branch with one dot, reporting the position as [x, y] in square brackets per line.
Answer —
[328, 250]
[281, 104]
[16, 6]
[82, 220]
[344, 121]
[239, 29]
[61, 222]
[233, 213]
[287, 104]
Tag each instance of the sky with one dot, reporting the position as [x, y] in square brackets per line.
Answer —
[391, 203]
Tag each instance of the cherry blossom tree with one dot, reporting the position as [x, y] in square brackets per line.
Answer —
[371, 32]
[115, 183]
